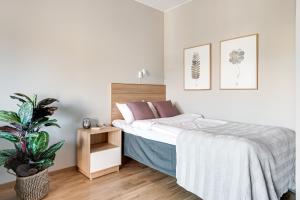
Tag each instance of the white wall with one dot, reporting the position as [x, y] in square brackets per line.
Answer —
[72, 50]
[298, 96]
[201, 22]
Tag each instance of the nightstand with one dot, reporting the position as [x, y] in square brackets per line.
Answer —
[98, 151]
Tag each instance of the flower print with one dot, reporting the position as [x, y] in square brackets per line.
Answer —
[236, 56]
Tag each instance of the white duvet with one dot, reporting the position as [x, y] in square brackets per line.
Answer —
[177, 124]
[219, 160]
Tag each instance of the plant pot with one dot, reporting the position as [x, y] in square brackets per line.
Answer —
[34, 187]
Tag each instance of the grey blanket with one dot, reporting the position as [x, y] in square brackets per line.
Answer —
[236, 161]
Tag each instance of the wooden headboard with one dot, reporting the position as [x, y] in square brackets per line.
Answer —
[124, 93]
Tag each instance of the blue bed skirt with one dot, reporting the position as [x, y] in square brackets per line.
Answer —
[157, 155]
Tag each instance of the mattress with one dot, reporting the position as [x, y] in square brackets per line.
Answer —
[147, 134]
[166, 130]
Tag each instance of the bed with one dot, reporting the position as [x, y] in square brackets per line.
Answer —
[216, 162]
[159, 155]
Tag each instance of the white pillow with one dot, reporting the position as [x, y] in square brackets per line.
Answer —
[153, 109]
[126, 112]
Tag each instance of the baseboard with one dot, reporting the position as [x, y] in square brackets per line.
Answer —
[12, 183]
[7, 185]
[63, 170]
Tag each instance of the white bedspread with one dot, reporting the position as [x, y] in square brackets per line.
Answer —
[177, 124]
[236, 161]
[219, 160]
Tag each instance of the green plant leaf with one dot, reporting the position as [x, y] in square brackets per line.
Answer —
[5, 155]
[50, 152]
[18, 98]
[18, 147]
[44, 164]
[25, 112]
[9, 117]
[43, 122]
[31, 136]
[46, 102]
[53, 124]
[24, 96]
[12, 130]
[9, 137]
[37, 142]
[34, 100]
[40, 113]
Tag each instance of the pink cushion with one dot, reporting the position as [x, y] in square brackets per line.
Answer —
[166, 109]
[140, 110]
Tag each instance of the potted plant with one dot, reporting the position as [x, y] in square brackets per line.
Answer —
[31, 157]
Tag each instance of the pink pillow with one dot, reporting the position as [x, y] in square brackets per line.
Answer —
[140, 110]
[165, 109]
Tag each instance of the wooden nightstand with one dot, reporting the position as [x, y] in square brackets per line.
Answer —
[98, 151]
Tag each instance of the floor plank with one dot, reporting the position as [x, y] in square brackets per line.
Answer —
[134, 182]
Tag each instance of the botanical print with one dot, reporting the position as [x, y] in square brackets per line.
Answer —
[197, 68]
[238, 63]
[236, 57]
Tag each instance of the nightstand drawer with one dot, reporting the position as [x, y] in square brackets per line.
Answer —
[105, 159]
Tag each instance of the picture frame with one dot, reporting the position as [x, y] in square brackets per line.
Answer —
[197, 67]
[239, 63]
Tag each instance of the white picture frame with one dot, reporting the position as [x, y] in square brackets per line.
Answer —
[197, 67]
[239, 63]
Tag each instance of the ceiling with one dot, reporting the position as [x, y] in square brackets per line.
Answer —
[163, 5]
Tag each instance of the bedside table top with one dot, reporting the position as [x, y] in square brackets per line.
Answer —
[96, 130]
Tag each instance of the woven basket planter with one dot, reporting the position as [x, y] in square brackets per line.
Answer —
[34, 187]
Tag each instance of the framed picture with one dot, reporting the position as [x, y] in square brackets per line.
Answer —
[197, 69]
[239, 63]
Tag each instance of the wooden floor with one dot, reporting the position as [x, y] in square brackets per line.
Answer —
[134, 181]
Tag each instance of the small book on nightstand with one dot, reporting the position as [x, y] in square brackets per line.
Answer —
[99, 151]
